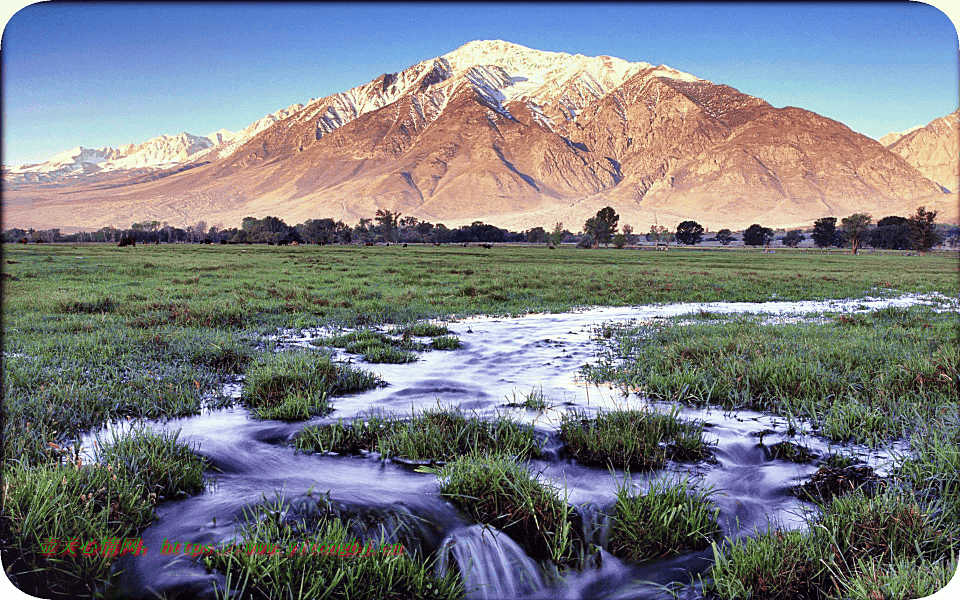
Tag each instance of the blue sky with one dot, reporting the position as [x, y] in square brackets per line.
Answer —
[94, 75]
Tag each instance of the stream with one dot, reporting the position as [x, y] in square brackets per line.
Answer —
[501, 360]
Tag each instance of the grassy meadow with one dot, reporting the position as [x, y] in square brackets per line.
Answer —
[95, 333]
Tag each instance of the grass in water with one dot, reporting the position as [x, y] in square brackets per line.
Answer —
[49, 507]
[445, 342]
[631, 439]
[276, 559]
[296, 385]
[869, 383]
[903, 537]
[499, 491]
[668, 519]
[434, 434]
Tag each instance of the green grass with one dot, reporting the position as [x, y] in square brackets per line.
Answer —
[296, 385]
[111, 499]
[304, 574]
[445, 342]
[94, 334]
[631, 439]
[792, 452]
[497, 490]
[902, 539]
[377, 347]
[668, 519]
[434, 434]
[535, 400]
[868, 383]
[425, 329]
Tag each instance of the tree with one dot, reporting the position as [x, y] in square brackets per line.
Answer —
[362, 231]
[556, 236]
[689, 233]
[757, 235]
[619, 241]
[856, 227]
[659, 233]
[603, 226]
[793, 238]
[536, 235]
[388, 223]
[825, 232]
[923, 231]
[628, 234]
[892, 233]
[724, 236]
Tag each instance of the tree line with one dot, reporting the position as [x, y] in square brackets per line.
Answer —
[918, 232]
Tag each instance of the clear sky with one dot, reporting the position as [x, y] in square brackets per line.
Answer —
[88, 74]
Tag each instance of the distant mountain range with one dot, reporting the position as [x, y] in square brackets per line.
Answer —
[511, 136]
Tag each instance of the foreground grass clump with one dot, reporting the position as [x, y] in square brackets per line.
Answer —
[434, 434]
[296, 385]
[668, 519]
[898, 541]
[860, 538]
[631, 439]
[46, 508]
[499, 491]
[297, 572]
[867, 383]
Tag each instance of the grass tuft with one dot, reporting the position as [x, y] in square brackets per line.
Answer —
[631, 439]
[434, 434]
[296, 385]
[668, 519]
[273, 559]
[499, 491]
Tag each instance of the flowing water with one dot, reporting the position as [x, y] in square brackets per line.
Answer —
[501, 360]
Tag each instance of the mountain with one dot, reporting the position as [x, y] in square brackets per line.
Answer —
[512, 136]
[893, 136]
[934, 150]
[160, 151]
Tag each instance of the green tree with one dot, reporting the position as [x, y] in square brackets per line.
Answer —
[689, 233]
[603, 226]
[793, 238]
[825, 232]
[856, 226]
[892, 233]
[536, 235]
[923, 233]
[556, 236]
[757, 235]
[388, 224]
[724, 236]
[659, 233]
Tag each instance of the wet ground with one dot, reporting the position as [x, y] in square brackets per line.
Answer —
[502, 359]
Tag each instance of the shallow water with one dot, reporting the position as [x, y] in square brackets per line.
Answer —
[502, 359]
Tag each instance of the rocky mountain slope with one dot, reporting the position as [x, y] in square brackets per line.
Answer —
[511, 136]
[933, 150]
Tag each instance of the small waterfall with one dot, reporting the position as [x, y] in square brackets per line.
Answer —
[491, 564]
[594, 525]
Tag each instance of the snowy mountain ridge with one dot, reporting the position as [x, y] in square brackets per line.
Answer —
[552, 84]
